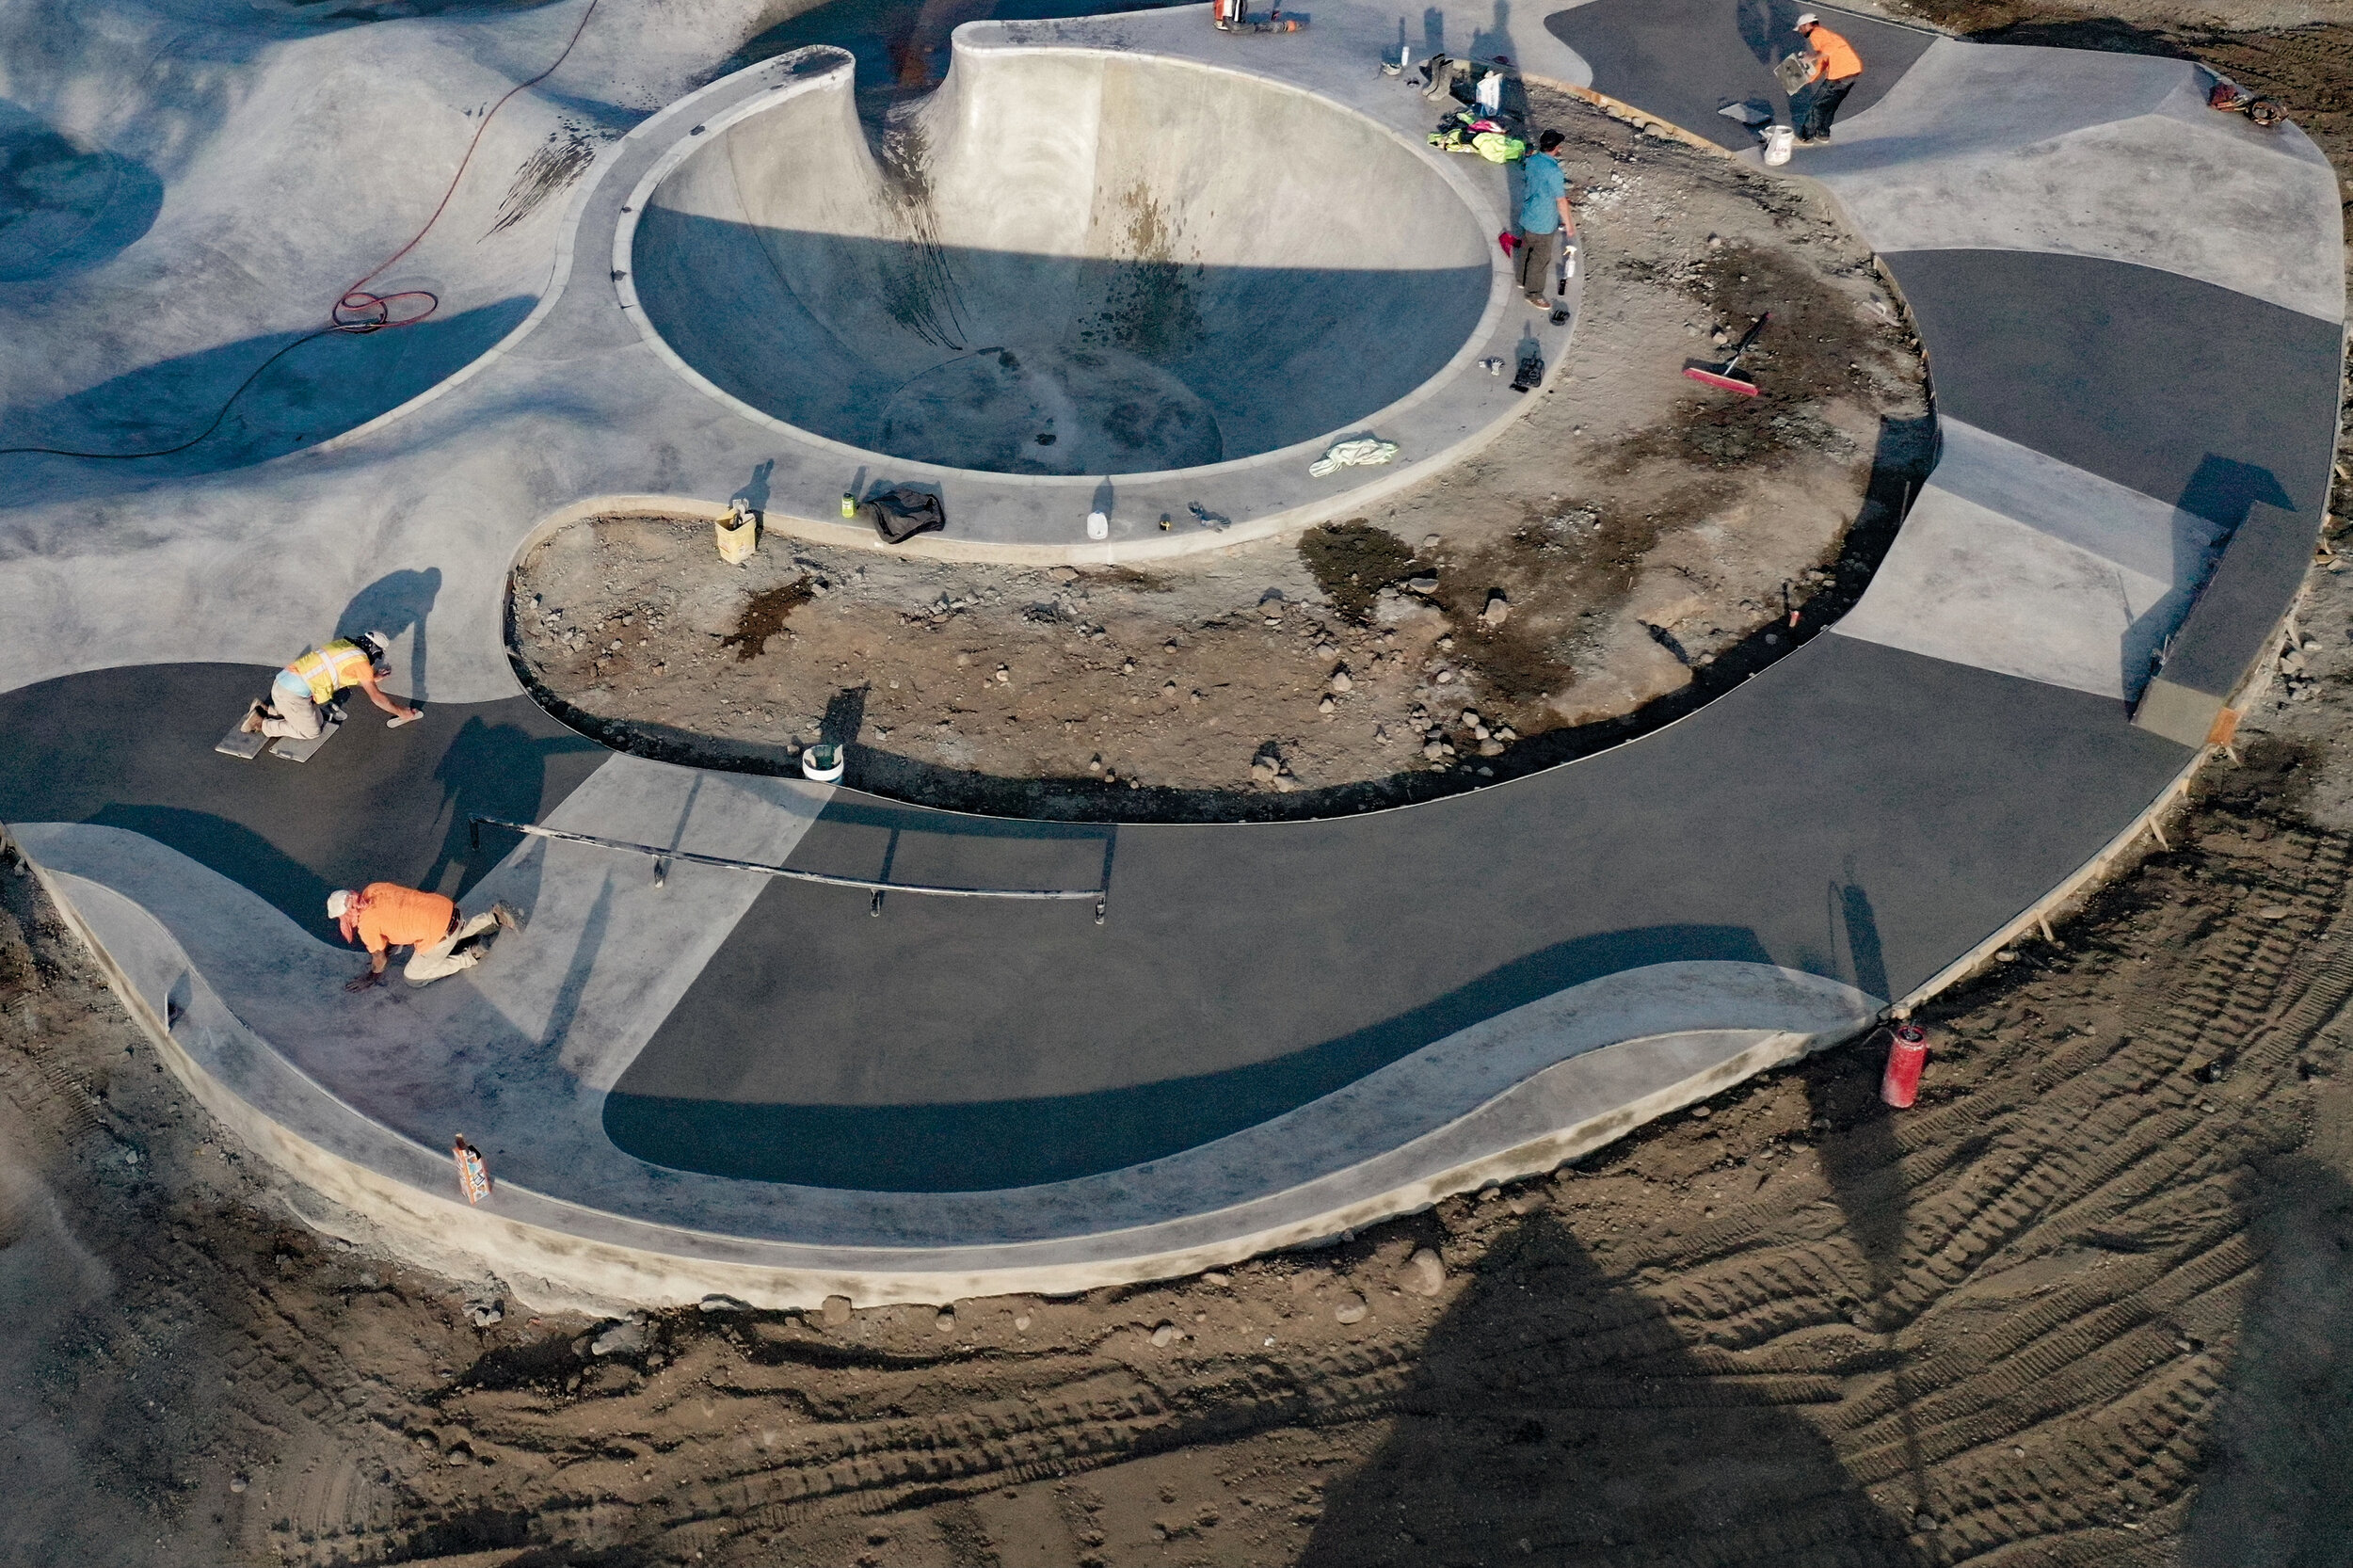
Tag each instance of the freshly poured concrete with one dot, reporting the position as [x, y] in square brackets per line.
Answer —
[2021, 149]
[1109, 268]
[2016, 562]
[1280, 1031]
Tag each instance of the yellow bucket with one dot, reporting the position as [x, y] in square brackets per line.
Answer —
[738, 536]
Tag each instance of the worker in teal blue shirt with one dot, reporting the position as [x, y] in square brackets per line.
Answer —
[1546, 222]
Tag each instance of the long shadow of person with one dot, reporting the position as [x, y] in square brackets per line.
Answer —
[2280, 1492]
[496, 770]
[395, 602]
[845, 715]
[1556, 1418]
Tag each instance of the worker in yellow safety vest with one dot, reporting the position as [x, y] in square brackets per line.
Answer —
[1832, 72]
[296, 709]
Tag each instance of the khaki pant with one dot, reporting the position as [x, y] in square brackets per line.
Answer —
[298, 718]
[446, 956]
[1533, 265]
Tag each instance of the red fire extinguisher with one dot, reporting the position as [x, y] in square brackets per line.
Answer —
[1907, 1056]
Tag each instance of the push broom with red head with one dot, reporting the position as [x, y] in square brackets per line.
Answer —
[1728, 375]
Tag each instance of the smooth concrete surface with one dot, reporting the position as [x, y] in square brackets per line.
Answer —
[1070, 266]
[1512, 1097]
[133, 748]
[575, 401]
[2190, 393]
[1689, 61]
[2016, 562]
[1856, 811]
[1985, 148]
[753, 1087]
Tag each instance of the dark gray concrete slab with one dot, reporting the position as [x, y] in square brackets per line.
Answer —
[1685, 61]
[2220, 405]
[2193, 394]
[133, 748]
[1858, 812]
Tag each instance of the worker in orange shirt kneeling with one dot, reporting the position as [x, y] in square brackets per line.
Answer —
[385, 915]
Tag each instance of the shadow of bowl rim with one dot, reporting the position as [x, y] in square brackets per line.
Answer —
[839, 72]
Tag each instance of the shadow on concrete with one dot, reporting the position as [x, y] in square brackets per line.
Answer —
[2160, 383]
[1555, 1416]
[351, 14]
[395, 602]
[1688, 61]
[1013, 362]
[901, 46]
[133, 748]
[1905, 453]
[683, 1102]
[2278, 1491]
[319, 390]
[65, 210]
[492, 768]
[584, 960]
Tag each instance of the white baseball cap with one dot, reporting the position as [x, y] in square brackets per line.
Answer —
[337, 902]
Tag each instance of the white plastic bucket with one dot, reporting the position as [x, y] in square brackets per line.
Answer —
[1779, 139]
[823, 763]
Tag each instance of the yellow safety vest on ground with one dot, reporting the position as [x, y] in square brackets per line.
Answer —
[330, 669]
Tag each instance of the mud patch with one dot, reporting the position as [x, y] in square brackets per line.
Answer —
[763, 617]
[1353, 561]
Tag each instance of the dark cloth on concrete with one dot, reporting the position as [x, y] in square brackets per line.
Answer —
[1534, 260]
[1816, 104]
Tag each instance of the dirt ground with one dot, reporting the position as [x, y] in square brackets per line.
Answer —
[1632, 545]
[2084, 1305]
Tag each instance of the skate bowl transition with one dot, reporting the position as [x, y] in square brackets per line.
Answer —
[1189, 258]
[1110, 265]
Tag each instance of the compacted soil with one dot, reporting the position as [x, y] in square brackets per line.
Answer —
[1633, 543]
[2084, 1305]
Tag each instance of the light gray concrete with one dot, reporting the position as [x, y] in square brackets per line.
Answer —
[1076, 264]
[574, 403]
[2014, 561]
[2005, 147]
[260, 126]
[366, 1108]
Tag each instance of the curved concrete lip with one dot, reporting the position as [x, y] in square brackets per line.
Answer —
[1384, 1009]
[1240, 272]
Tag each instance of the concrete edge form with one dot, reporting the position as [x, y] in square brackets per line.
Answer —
[552, 1251]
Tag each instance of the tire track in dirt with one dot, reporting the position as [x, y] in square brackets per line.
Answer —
[2000, 1328]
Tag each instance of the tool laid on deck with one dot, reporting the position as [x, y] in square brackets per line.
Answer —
[473, 1178]
[1727, 375]
[1232, 16]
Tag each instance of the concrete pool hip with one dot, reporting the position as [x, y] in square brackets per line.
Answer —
[1284, 1030]
[1062, 264]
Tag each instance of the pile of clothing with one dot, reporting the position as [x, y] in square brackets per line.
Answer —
[1499, 141]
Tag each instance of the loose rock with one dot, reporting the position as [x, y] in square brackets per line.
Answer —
[836, 1311]
[625, 1338]
[1351, 1308]
[1423, 1274]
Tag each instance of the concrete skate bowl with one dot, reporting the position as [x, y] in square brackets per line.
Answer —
[1062, 265]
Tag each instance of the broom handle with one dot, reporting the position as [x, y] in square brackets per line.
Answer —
[1742, 347]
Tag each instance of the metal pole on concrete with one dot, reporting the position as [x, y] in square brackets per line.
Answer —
[661, 855]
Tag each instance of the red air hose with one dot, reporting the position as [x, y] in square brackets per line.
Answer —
[356, 310]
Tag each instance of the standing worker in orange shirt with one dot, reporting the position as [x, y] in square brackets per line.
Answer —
[385, 915]
[1836, 69]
